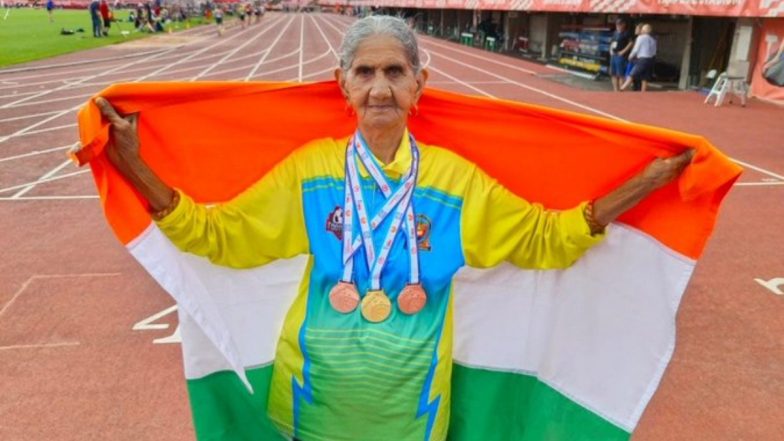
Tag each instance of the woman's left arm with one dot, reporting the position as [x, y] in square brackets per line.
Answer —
[498, 226]
[658, 173]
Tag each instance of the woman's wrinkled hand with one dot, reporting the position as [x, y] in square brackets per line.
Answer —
[663, 170]
[123, 146]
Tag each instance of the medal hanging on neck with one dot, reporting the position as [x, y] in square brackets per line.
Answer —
[375, 305]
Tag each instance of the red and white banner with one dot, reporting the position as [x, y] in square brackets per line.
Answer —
[731, 8]
[767, 79]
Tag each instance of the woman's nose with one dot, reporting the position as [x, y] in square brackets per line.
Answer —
[381, 90]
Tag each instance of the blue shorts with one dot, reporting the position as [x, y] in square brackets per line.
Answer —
[617, 65]
[643, 69]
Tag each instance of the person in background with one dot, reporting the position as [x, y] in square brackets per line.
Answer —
[630, 63]
[50, 10]
[106, 17]
[644, 56]
[241, 12]
[620, 45]
[219, 19]
[95, 15]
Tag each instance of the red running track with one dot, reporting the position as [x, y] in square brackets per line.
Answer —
[72, 367]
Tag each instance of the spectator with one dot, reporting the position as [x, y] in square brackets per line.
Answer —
[620, 45]
[106, 17]
[95, 15]
[644, 55]
[219, 19]
[50, 10]
[630, 64]
[241, 11]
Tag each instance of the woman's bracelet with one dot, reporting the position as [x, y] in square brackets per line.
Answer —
[160, 214]
[595, 226]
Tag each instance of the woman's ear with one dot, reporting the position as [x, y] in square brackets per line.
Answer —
[421, 79]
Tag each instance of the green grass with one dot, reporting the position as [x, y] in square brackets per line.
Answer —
[27, 35]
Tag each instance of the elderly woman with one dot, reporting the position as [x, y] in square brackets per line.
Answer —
[370, 333]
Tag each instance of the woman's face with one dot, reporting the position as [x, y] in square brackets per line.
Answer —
[380, 84]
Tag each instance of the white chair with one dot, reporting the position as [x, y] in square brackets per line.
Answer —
[733, 81]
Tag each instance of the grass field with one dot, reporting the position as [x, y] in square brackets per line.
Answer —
[27, 35]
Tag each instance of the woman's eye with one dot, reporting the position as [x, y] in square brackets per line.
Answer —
[395, 71]
[364, 71]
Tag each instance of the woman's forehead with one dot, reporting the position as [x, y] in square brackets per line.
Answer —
[380, 50]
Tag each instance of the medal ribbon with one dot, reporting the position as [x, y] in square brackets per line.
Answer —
[400, 202]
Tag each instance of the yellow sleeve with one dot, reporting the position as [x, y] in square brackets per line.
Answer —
[499, 226]
[263, 223]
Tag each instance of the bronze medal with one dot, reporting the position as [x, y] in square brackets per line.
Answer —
[376, 306]
[344, 297]
[412, 299]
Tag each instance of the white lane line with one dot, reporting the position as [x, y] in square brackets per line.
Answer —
[292, 66]
[143, 67]
[25, 81]
[476, 83]
[36, 152]
[230, 54]
[48, 198]
[426, 64]
[41, 181]
[192, 55]
[760, 169]
[564, 100]
[48, 129]
[24, 130]
[301, 45]
[34, 115]
[329, 43]
[61, 82]
[461, 82]
[43, 178]
[15, 95]
[272, 45]
[533, 89]
[31, 279]
[324, 36]
[165, 67]
[47, 101]
[270, 61]
[26, 78]
[433, 41]
[40, 345]
[100, 74]
[315, 74]
[758, 184]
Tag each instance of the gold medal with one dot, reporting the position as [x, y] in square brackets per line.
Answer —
[376, 306]
[344, 297]
[412, 299]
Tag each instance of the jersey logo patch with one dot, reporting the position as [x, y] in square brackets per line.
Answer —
[335, 222]
[423, 227]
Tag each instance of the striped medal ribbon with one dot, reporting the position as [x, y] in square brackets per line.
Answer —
[344, 297]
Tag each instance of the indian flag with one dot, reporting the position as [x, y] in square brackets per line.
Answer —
[572, 354]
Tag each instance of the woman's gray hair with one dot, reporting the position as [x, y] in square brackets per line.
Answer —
[379, 25]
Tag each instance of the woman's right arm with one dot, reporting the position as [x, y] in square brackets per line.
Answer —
[635, 48]
[263, 223]
[123, 152]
